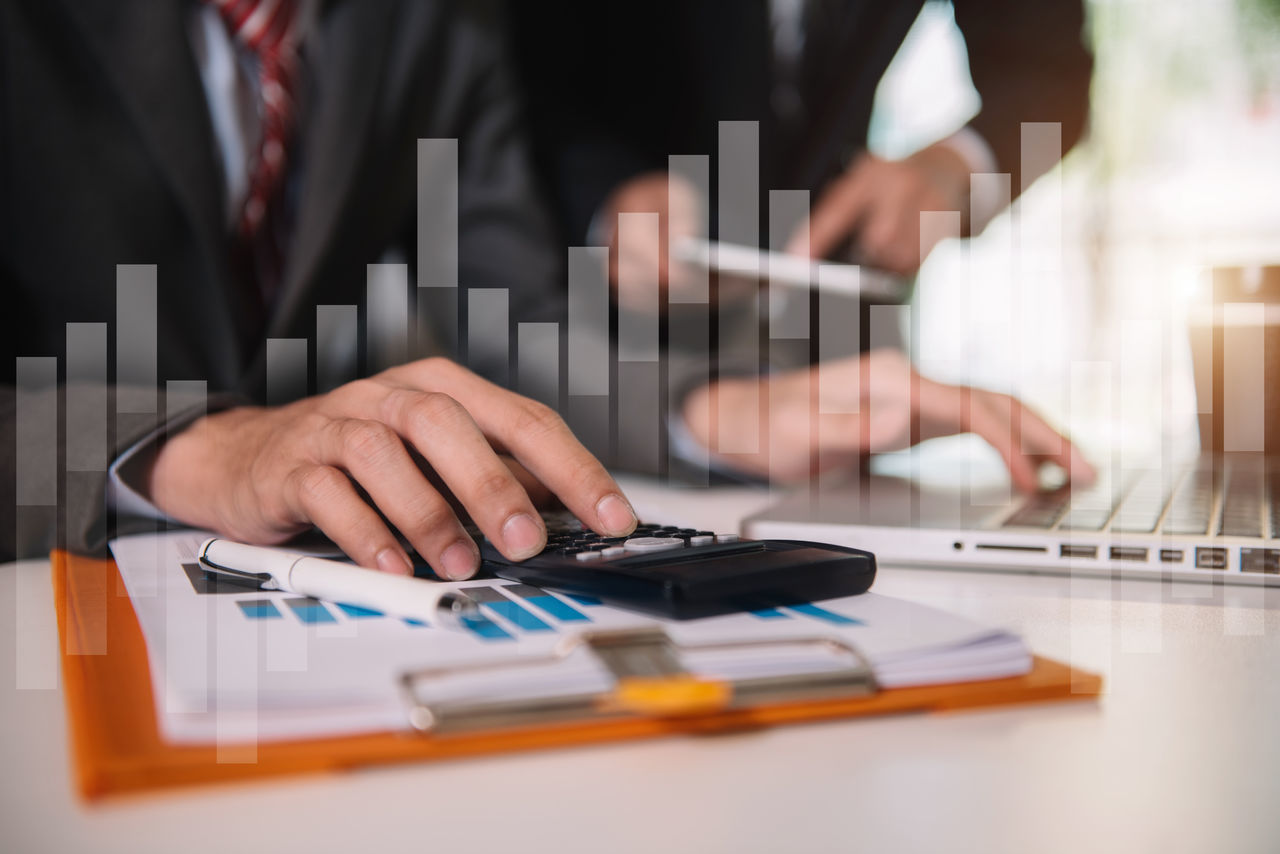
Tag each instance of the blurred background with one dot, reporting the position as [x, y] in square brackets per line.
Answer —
[1076, 298]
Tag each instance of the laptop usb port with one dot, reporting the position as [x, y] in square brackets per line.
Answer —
[1260, 560]
[1128, 553]
[1171, 555]
[1069, 550]
[1211, 558]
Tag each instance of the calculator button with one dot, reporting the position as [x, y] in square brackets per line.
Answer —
[726, 538]
[653, 544]
[613, 551]
[593, 555]
[702, 540]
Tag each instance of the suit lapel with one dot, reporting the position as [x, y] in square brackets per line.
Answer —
[351, 37]
[144, 49]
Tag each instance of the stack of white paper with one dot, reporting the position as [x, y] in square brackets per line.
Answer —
[234, 664]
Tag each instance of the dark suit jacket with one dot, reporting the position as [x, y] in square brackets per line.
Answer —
[108, 157]
[653, 78]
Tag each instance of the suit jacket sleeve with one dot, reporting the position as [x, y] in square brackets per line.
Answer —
[1029, 63]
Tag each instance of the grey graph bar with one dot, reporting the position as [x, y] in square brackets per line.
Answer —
[488, 333]
[438, 308]
[588, 363]
[788, 306]
[286, 370]
[36, 402]
[638, 321]
[386, 316]
[538, 362]
[691, 172]
[688, 320]
[738, 207]
[86, 429]
[839, 332]
[1243, 384]
[337, 344]
[638, 367]
[136, 336]
[438, 213]
[36, 493]
[588, 356]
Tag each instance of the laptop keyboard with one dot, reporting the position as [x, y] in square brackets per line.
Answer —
[1247, 498]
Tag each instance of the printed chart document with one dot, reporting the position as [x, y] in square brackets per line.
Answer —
[229, 663]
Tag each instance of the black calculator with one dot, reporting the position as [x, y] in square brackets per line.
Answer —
[683, 573]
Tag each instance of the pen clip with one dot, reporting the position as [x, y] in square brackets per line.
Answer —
[254, 580]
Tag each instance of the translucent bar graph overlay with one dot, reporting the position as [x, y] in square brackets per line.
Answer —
[438, 308]
[488, 333]
[738, 209]
[386, 316]
[839, 330]
[688, 311]
[136, 336]
[689, 185]
[1243, 384]
[639, 371]
[36, 402]
[789, 304]
[538, 362]
[337, 345]
[588, 366]
[36, 483]
[86, 428]
[286, 370]
[588, 353]
[638, 284]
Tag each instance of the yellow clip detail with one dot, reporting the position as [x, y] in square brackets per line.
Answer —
[682, 694]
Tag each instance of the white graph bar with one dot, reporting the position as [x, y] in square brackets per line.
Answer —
[386, 316]
[438, 329]
[1243, 383]
[689, 318]
[788, 306]
[136, 336]
[86, 418]
[337, 345]
[538, 362]
[286, 370]
[36, 493]
[691, 173]
[638, 320]
[588, 365]
[179, 395]
[488, 333]
[839, 330]
[738, 209]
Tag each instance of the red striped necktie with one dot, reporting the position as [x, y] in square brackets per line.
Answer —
[268, 30]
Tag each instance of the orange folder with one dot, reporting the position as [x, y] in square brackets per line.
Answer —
[117, 747]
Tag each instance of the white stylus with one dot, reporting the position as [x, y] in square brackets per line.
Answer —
[276, 569]
[779, 268]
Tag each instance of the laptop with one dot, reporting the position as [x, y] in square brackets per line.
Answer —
[1214, 516]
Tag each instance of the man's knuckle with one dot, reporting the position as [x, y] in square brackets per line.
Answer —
[370, 441]
[536, 419]
[318, 483]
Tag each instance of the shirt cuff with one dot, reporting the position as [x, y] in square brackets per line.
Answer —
[123, 497]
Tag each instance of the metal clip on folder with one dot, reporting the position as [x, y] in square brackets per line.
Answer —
[650, 680]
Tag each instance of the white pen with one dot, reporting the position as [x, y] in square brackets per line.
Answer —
[334, 581]
[781, 269]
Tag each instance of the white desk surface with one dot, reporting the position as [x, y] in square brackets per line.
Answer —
[1182, 754]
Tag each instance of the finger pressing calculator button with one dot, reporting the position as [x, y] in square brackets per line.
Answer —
[653, 544]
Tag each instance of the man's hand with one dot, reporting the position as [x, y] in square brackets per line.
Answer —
[833, 414]
[264, 475]
[878, 202]
[679, 212]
